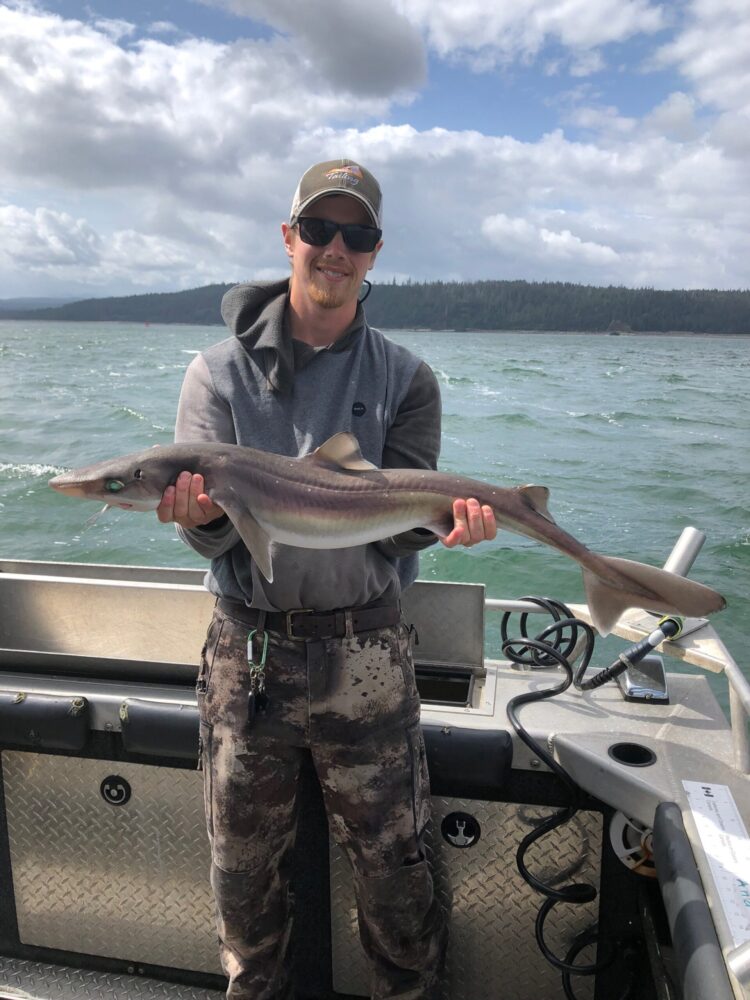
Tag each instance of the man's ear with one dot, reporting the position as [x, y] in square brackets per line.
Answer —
[373, 256]
[289, 237]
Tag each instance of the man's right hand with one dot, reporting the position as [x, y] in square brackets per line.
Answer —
[187, 504]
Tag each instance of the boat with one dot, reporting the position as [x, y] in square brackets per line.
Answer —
[593, 843]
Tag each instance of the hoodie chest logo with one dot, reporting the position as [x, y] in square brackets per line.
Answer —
[359, 409]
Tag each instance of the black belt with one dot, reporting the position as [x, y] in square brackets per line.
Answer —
[302, 623]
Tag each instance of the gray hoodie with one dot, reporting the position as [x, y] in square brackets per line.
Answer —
[262, 389]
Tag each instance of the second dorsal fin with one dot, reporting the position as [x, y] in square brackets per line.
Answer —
[537, 497]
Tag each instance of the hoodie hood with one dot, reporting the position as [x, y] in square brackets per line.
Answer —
[256, 314]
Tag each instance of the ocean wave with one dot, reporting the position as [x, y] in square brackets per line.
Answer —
[617, 417]
[127, 411]
[27, 471]
[512, 419]
[525, 370]
[683, 494]
[452, 380]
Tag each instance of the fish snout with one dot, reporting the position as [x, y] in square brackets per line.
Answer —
[63, 484]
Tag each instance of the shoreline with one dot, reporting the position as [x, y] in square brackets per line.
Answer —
[571, 333]
[401, 329]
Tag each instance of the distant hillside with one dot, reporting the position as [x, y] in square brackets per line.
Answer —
[480, 305]
[198, 306]
[524, 305]
[32, 302]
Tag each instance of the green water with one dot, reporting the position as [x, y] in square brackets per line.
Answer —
[636, 437]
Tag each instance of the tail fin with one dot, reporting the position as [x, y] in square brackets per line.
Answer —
[619, 584]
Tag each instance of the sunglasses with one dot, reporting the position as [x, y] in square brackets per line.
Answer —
[320, 232]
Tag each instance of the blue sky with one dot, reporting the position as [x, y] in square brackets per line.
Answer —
[598, 141]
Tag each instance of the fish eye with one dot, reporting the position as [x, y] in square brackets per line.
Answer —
[114, 486]
[138, 474]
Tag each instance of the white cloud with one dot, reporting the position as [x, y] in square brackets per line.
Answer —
[712, 52]
[164, 28]
[521, 239]
[493, 34]
[604, 121]
[645, 211]
[674, 117]
[62, 249]
[731, 133]
[136, 165]
[185, 116]
[114, 28]
[44, 239]
[586, 63]
[638, 211]
[364, 46]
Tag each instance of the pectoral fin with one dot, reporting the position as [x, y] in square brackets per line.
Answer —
[442, 524]
[255, 538]
[257, 541]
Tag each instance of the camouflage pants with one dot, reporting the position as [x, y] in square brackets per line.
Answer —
[352, 703]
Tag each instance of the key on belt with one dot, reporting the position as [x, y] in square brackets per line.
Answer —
[257, 699]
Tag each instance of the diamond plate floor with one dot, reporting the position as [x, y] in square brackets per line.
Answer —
[22, 980]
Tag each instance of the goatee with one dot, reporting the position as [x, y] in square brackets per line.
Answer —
[327, 298]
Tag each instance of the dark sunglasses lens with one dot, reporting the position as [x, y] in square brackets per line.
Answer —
[317, 232]
[360, 239]
[320, 232]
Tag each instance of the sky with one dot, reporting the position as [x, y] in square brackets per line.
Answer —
[155, 145]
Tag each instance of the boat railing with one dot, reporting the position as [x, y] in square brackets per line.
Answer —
[698, 645]
[70, 618]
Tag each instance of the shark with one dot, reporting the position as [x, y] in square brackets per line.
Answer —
[334, 498]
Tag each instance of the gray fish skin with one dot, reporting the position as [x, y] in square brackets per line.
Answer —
[333, 498]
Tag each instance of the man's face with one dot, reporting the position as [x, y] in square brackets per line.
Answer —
[331, 276]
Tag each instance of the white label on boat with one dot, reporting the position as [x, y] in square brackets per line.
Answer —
[725, 841]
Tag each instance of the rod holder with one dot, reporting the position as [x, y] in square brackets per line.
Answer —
[686, 549]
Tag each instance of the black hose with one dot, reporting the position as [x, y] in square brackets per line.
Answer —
[550, 648]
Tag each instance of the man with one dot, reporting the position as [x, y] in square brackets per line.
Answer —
[316, 662]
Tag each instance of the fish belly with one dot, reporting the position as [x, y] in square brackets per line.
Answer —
[352, 521]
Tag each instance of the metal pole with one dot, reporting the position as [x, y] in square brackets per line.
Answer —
[687, 547]
[738, 720]
[516, 607]
[681, 558]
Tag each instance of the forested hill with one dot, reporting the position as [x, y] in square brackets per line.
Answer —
[198, 306]
[480, 305]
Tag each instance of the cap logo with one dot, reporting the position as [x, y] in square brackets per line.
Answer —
[347, 175]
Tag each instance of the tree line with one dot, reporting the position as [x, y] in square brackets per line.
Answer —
[476, 305]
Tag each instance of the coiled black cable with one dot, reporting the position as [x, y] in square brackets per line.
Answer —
[552, 647]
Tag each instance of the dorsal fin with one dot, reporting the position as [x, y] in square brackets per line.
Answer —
[537, 497]
[342, 452]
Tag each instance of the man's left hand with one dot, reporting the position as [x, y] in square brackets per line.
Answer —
[472, 523]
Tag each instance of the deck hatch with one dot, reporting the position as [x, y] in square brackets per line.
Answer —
[119, 881]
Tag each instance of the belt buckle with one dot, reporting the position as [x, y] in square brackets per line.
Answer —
[290, 626]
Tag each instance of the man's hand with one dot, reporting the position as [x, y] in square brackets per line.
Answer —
[187, 504]
[472, 523]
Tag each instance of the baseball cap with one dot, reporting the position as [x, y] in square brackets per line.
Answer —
[338, 177]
